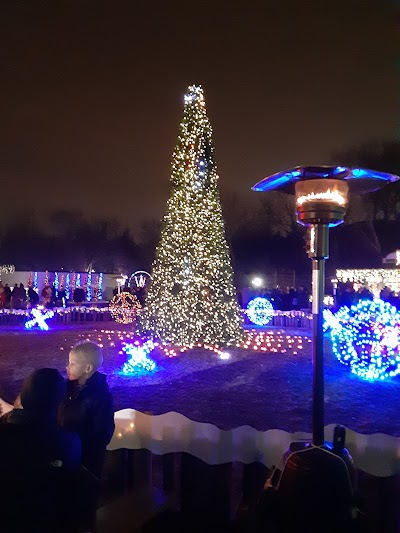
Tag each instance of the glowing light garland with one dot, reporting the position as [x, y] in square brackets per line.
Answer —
[368, 276]
[138, 362]
[263, 342]
[366, 337]
[192, 297]
[56, 281]
[7, 269]
[39, 319]
[260, 311]
[124, 307]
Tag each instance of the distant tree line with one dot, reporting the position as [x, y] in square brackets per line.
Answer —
[262, 239]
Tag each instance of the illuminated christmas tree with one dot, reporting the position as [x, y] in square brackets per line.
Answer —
[192, 298]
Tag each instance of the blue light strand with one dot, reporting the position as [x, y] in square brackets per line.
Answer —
[138, 362]
[78, 280]
[260, 311]
[100, 288]
[366, 337]
[56, 281]
[89, 287]
[35, 281]
[67, 287]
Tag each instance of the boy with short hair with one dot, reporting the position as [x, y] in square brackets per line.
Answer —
[88, 407]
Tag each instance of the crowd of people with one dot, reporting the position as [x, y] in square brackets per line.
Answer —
[53, 440]
[282, 300]
[347, 295]
[19, 297]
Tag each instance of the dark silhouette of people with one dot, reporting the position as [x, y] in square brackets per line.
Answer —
[33, 297]
[38, 461]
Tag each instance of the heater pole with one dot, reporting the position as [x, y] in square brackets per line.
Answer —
[319, 252]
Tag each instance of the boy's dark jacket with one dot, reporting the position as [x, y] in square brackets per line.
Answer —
[89, 411]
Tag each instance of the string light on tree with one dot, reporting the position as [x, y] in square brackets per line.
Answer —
[124, 307]
[35, 281]
[192, 297]
[366, 337]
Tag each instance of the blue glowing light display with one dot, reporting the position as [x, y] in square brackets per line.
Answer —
[89, 287]
[35, 281]
[138, 362]
[366, 337]
[56, 281]
[260, 311]
[100, 288]
[39, 319]
[67, 289]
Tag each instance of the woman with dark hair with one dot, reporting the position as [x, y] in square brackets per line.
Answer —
[39, 462]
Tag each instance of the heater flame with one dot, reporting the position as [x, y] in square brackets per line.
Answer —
[330, 196]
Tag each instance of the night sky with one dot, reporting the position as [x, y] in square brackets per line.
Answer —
[92, 94]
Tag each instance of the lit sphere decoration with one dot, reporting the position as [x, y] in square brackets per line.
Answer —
[124, 307]
[366, 337]
[260, 311]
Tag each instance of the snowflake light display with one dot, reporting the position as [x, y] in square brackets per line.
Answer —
[124, 308]
[39, 319]
[260, 311]
[366, 337]
[138, 361]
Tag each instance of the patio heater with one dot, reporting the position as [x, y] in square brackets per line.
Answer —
[321, 196]
[316, 480]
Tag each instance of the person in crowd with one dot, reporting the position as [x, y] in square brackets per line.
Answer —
[22, 293]
[16, 301]
[61, 297]
[7, 291]
[33, 297]
[79, 295]
[364, 293]
[294, 299]
[346, 295]
[304, 301]
[88, 407]
[38, 461]
[2, 296]
[47, 296]
[385, 294]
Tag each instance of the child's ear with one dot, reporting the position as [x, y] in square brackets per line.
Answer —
[89, 368]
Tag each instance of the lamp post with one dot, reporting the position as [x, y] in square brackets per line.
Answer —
[321, 195]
